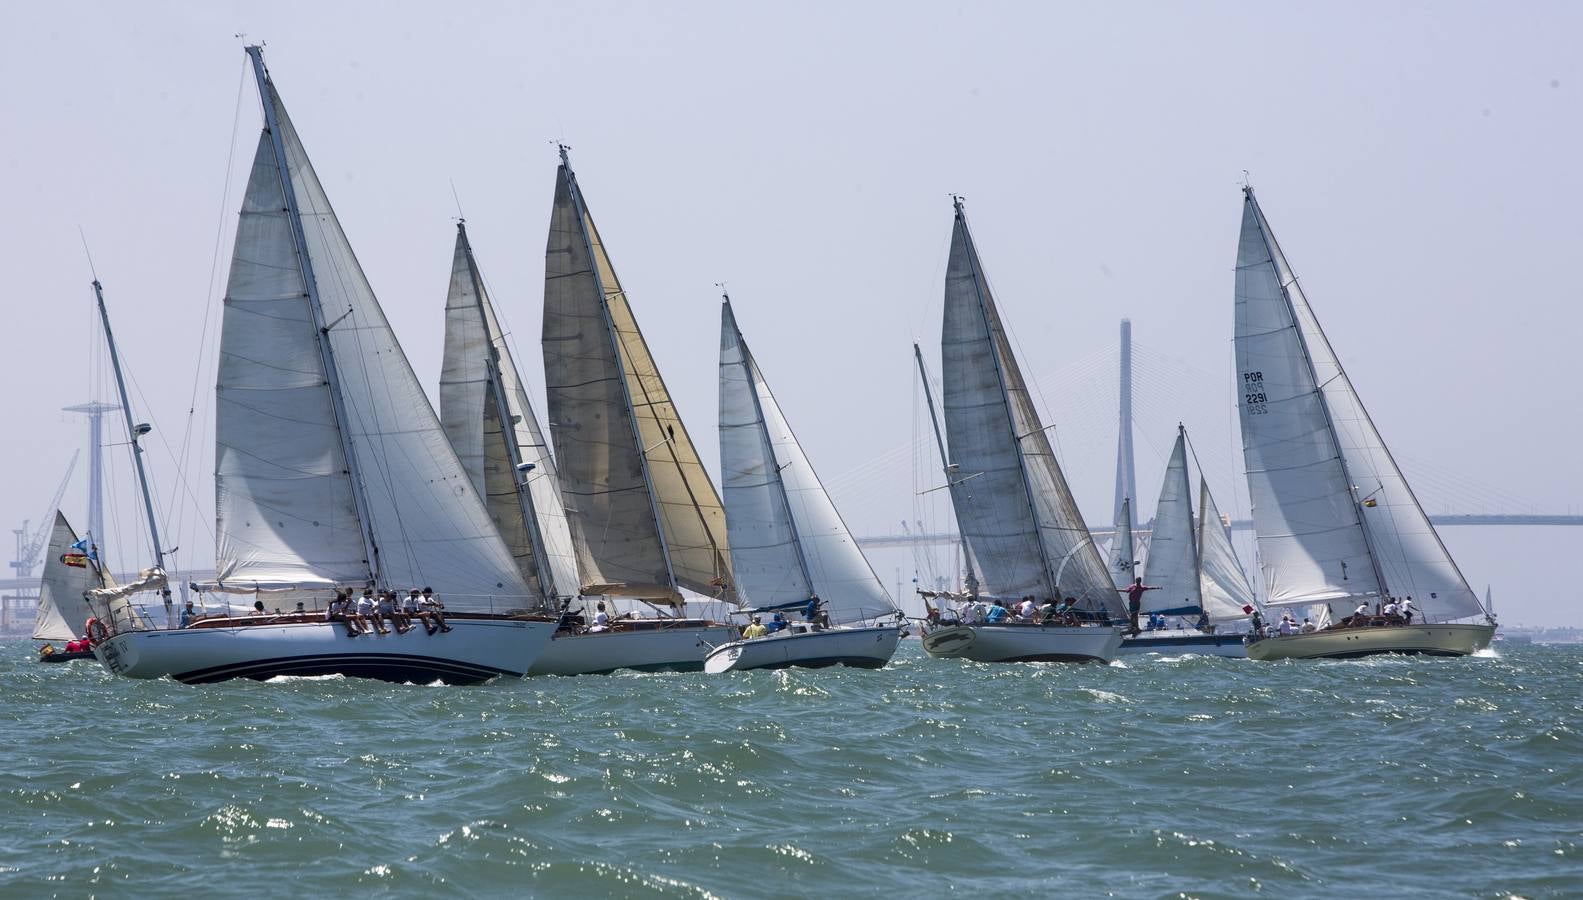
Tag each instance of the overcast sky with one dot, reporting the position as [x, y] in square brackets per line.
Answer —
[1419, 163]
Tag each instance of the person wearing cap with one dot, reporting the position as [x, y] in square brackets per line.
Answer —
[434, 606]
[755, 630]
[187, 614]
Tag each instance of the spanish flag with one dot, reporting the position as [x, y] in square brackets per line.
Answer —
[1371, 503]
[75, 560]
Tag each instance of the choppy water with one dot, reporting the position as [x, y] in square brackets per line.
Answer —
[1202, 777]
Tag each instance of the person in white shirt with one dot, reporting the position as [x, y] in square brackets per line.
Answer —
[1025, 611]
[1391, 608]
[1287, 625]
[1407, 610]
[601, 618]
[368, 610]
[1308, 626]
[435, 607]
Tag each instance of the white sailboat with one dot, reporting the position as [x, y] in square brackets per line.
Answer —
[1194, 570]
[331, 469]
[788, 542]
[644, 518]
[1012, 502]
[1337, 524]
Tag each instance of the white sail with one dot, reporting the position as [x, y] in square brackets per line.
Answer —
[797, 537]
[62, 611]
[474, 337]
[1311, 543]
[287, 511]
[1173, 551]
[765, 555]
[1014, 506]
[644, 515]
[1406, 551]
[1223, 583]
[1406, 548]
[1123, 551]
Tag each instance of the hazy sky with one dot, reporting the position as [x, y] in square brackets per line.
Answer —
[1419, 163]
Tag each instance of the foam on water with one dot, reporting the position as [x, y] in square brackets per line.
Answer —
[1185, 775]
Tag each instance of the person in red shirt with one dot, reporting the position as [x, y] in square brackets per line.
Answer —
[1134, 594]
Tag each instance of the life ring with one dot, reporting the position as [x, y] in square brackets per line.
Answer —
[97, 633]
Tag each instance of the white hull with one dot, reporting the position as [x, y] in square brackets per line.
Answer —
[1350, 643]
[474, 650]
[679, 648]
[1227, 645]
[865, 648]
[1024, 643]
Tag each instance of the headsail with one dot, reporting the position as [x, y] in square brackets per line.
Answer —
[475, 349]
[787, 539]
[1017, 513]
[61, 607]
[1312, 547]
[644, 515]
[1173, 551]
[293, 509]
[1222, 581]
[1123, 551]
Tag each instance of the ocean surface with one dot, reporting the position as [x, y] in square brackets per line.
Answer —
[1159, 777]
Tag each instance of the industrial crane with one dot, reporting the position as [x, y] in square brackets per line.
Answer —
[30, 547]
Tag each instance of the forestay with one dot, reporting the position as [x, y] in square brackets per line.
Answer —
[1223, 583]
[288, 515]
[469, 413]
[1173, 554]
[787, 539]
[644, 516]
[1311, 543]
[1014, 506]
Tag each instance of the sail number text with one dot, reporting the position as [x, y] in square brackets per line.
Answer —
[1253, 396]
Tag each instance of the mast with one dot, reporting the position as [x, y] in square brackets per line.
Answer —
[322, 328]
[1193, 541]
[621, 369]
[133, 432]
[508, 432]
[971, 582]
[1005, 400]
[1324, 405]
[748, 368]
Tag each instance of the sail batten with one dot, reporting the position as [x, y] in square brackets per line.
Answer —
[1017, 514]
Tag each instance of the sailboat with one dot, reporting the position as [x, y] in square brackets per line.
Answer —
[644, 518]
[331, 471]
[71, 570]
[1193, 569]
[789, 547]
[1015, 511]
[1337, 524]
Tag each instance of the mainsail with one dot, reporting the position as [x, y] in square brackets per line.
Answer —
[1173, 552]
[331, 466]
[61, 607]
[644, 516]
[787, 539]
[1340, 518]
[1016, 512]
[476, 356]
[1222, 580]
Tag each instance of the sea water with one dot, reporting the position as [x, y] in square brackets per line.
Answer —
[1162, 776]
